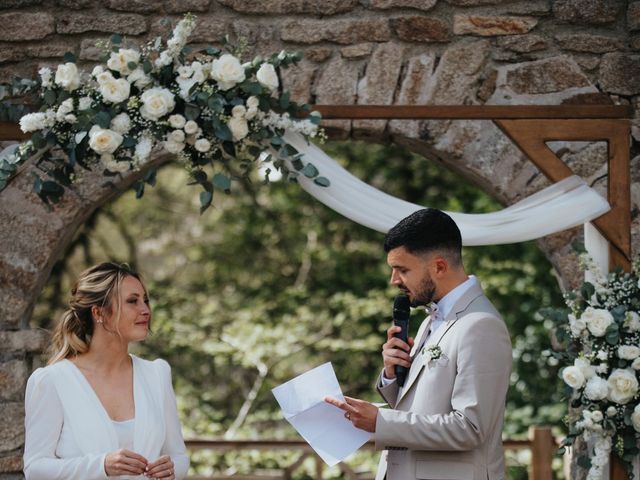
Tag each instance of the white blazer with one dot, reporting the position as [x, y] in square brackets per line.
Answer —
[69, 433]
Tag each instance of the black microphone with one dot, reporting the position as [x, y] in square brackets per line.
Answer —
[401, 312]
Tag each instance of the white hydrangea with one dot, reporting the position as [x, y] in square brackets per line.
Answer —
[121, 123]
[45, 77]
[112, 164]
[85, 103]
[597, 388]
[143, 150]
[32, 122]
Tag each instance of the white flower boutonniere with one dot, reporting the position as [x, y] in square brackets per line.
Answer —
[433, 352]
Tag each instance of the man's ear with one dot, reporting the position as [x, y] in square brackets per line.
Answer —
[441, 266]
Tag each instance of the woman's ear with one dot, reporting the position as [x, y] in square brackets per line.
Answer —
[96, 313]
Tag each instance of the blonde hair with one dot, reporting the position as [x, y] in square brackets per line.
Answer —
[98, 286]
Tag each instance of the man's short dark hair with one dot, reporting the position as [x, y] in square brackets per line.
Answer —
[425, 231]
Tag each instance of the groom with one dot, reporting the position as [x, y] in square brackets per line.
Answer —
[446, 421]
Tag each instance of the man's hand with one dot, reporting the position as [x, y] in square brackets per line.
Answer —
[362, 414]
[395, 352]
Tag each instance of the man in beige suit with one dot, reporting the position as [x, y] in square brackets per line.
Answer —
[445, 423]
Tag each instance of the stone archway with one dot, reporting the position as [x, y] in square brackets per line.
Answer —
[357, 52]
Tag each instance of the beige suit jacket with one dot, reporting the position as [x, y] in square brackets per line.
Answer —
[446, 422]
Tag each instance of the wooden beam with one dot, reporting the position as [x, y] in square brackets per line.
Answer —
[472, 112]
[11, 131]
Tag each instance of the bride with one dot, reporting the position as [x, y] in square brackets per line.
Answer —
[97, 411]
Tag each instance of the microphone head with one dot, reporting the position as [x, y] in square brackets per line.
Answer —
[401, 307]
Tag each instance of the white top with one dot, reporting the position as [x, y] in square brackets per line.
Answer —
[68, 432]
[124, 432]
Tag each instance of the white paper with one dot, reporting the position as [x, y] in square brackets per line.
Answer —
[321, 424]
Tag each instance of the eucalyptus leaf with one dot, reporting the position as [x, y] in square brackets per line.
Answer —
[310, 171]
[222, 182]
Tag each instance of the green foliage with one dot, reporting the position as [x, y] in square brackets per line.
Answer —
[271, 283]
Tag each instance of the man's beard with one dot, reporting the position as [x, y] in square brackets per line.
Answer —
[425, 293]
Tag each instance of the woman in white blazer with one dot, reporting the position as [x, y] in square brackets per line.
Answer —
[96, 411]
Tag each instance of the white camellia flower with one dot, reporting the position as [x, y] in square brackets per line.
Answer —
[119, 61]
[612, 412]
[190, 127]
[253, 102]
[628, 352]
[121, 123]
[635, 418]
[143, 150]
[173, 147]
[32, 122]
[267, 76]
[103, 140]
[177, 121]
[623, 385]
[238, 111]
[585, 367]
[597, 320]
[597, 388]
[597, 416]
[632, 321]
[202, 145]
[156, 103]
[115, 90]
[84, 103]
[573, 377]
[227, 71]
[576, 325]
[67, 76]
[176, 136]
[239, 128]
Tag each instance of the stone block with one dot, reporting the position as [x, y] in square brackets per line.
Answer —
[587, 62]
[6, 4]
[378, 85]
[596, 12]
[527, 7]
[546, 76]
[10, 464]
[318, 54]
[18, 26]
[489, 26]
[620, 73]
[587, 43]
[359, 50]
[345, 32]
[13, 378]
[34, 341]
[75, 4]
[634, 42]
[522, 43]
[473, 3]
[253, 33]
[424, 5]
[138, 6]
[421, 29]
[11, 426]
[298, 80]
[209, 29]
[185, 6]
[313, 7]
[414, 90]
[633, 16]
[124, 23]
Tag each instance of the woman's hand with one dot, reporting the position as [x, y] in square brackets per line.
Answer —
[161, 468]
[124, 462]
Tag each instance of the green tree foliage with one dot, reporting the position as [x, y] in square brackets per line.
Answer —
[270, 283]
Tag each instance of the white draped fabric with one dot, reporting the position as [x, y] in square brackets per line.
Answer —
[563, 205]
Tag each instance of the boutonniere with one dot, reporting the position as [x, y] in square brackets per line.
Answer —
[433, 352]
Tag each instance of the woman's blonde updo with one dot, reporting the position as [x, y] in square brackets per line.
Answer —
[97, 286]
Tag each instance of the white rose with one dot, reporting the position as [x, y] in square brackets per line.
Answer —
[119, 61]
[227, 71]
[632, 321]
[267, 76]
[612, 412]
[143, 150]
[156, 102]
[173, 147]
[635, 418]
[573, 377]
[102, 140]
[238, 111]
[251, 113]
[104, 77]
[628, 352]
[253, 102]
[597, 320]
[67, 76]
[597, 416]
[97, 70]
[191, 127]
[176, 136]
[577, 325]
[121, 123]
[202, 145]
[70, 118]
[636, 364]
[623, 385]
[177, 121]
[32, 122]
[597, 388]
[112, 165]
[64, 108]
[84, 103]
[115, 90]
[239, 128]
[139, 78]
[585, 367]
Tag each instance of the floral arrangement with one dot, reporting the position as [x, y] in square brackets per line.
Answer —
[603, 333]
[219, 116]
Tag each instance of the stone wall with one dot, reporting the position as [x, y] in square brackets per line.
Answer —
[439, 52]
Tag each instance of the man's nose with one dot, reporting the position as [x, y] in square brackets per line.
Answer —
[395, 278]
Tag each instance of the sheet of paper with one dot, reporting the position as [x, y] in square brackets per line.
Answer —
[322, 425]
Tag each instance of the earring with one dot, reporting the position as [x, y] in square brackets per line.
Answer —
[99, 321]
